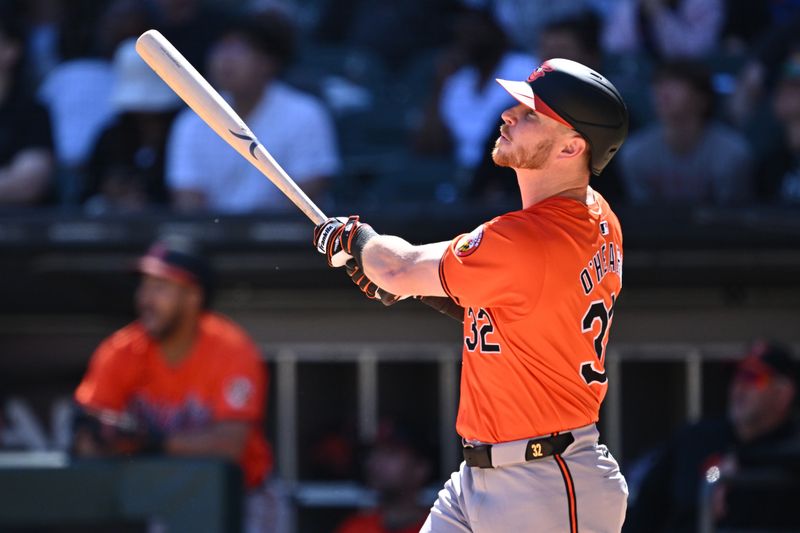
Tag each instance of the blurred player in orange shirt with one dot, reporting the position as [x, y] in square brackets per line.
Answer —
[180, 380]
[396, 468]
[538, 288]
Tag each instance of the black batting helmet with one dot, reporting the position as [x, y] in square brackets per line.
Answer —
[579, 98]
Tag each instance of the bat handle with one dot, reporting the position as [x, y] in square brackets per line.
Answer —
[313, 212]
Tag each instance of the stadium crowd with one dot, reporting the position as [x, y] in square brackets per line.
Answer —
[352, 103]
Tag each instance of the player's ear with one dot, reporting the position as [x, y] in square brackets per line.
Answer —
[574, 146]
[196, 297]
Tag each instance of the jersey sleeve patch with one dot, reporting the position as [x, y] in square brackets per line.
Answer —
[238, 392]
[470, 242]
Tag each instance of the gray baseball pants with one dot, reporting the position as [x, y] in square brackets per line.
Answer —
[581, 490]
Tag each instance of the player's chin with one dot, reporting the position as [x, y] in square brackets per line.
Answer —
[499, 157]
[152, 324]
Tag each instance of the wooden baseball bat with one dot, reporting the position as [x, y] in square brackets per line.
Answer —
[183, 78]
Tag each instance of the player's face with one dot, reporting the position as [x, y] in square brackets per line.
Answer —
[163, 305]
[753, 394]
[676, 99]
[526, 139]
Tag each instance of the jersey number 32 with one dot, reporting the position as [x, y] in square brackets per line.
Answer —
[594, 371]
[480, 328]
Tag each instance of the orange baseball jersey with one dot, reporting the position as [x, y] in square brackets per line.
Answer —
[222, 378]
[538, 287]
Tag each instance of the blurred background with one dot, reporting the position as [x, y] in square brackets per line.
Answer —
[389, 110]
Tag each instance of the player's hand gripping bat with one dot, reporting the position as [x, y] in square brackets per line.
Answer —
[183, 78]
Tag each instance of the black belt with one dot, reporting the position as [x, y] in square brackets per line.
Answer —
[481, 455]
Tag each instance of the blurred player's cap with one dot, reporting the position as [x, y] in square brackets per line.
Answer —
[178, 259]
[136, 87]
[581, 99]
[768, 358]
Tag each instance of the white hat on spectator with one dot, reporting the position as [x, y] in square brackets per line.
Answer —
[136, 87]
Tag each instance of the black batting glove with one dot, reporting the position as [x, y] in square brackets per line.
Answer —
[341, 239]
[366, 285]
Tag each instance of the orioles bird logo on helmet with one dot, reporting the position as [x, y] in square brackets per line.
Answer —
[539, 72]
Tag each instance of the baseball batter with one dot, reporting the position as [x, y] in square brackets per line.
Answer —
[538, 288]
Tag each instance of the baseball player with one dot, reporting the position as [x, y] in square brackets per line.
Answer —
[181, 380]
[538, 288]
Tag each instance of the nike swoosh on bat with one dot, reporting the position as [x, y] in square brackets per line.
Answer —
[253, 142]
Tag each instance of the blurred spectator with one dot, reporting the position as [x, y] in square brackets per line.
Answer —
[665, 29]
[745, 23]
[396, 469]
[680, 159]
[466, 103]
[26, 162]
[382, 26]
[78, 91]
[203, 172]
[763, 68]
[126, 170]
[523, 20]
[779, 171]
[42, 20]
[192, 26]
[181, 380]
[759, 421]
[577, 38]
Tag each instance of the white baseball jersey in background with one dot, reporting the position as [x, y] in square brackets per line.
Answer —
[292, 125]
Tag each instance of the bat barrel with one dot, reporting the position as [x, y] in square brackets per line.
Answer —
[183, 78]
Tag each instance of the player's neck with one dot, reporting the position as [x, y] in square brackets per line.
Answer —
[538, 185]
[178, 345]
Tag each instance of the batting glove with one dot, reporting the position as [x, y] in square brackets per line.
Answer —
[366, 285]
[342, 239]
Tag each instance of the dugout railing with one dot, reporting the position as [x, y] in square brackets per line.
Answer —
[693, 368]
[693, 365]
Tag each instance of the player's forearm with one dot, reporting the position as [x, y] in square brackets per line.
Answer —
[401, 268]
[224, 439]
